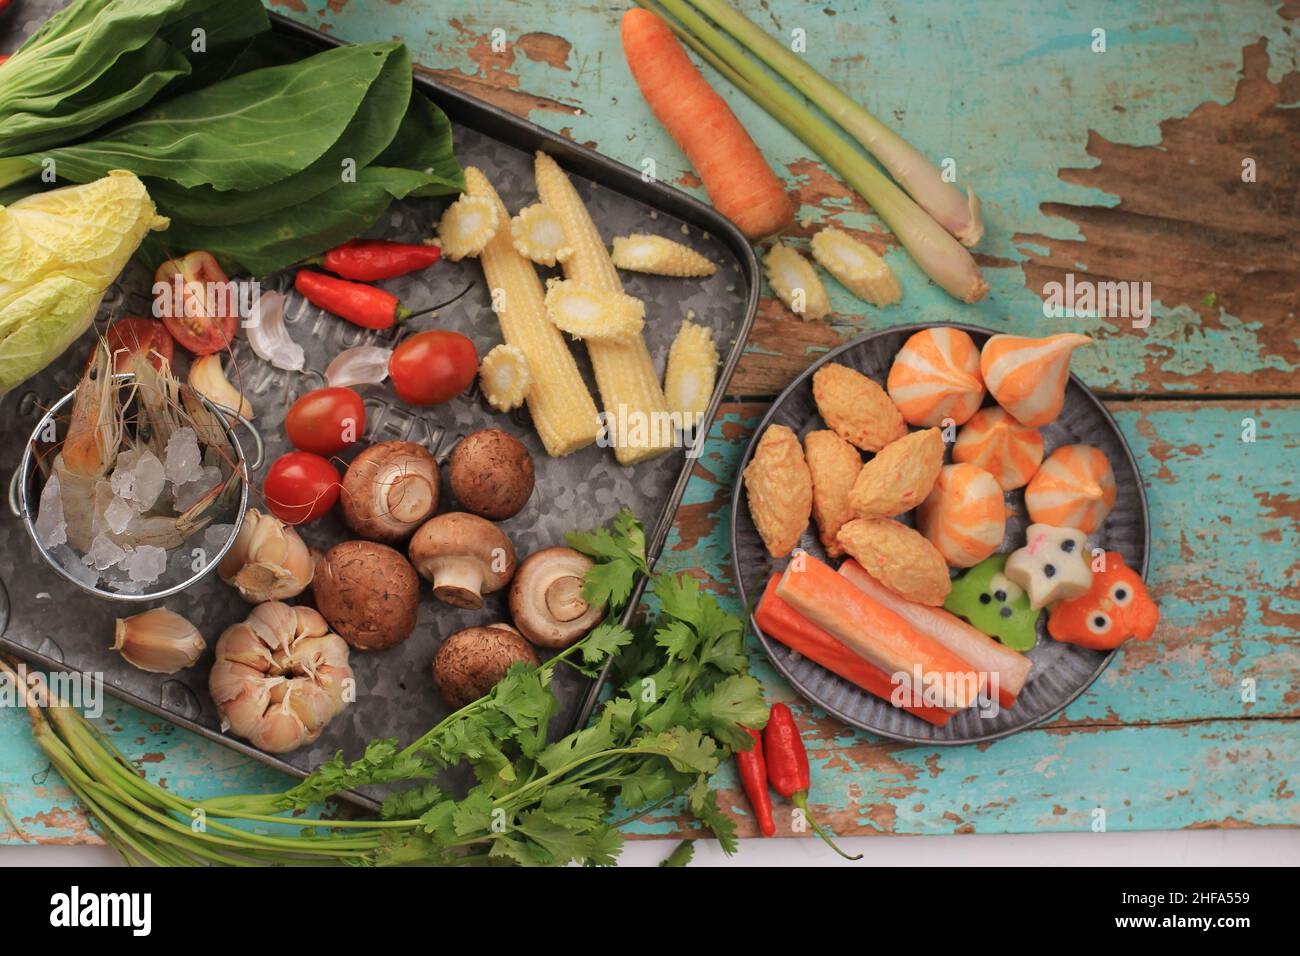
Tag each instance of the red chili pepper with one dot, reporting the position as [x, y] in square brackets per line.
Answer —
[371, 259]
[360, 304]
[753, 774]
[787, 767]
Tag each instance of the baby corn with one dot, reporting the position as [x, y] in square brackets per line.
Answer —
[625, 374]
[856, 266]
[692, 371]
[659, 255]
[592, 314]
[504, 377]
[563, 413]
[538, 235]
[466, 227]
[795, 282]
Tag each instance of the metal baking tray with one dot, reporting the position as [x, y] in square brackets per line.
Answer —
[52, 624]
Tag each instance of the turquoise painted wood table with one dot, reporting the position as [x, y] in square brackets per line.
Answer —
[1166, 153]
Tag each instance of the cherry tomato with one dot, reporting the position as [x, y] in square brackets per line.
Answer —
[134, 334]
[432, 367]
[300, 487]
[326, 421]
[197, 303]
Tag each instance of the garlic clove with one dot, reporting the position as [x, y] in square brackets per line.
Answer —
[208, 378]
[268, 561]
[159, 641]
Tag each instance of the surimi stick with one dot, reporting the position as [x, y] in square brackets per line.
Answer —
[780, 621]
[983, 653]
[876, 633]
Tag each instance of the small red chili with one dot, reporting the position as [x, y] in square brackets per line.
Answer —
[360, 304]
[753, 775]
[371, 259]
[787, 767]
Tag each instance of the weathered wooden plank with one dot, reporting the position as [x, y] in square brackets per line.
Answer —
[1114, 165]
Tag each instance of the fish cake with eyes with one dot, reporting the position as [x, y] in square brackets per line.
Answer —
[778, 486]
[856, 408]
[834, 465]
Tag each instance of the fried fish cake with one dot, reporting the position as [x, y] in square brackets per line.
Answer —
[899, 558]
[899, 478]
[778, 486]
[856, 408]
[834, 465]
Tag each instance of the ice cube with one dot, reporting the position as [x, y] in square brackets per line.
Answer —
[188, 494]
[118, 514]
[72, 562]
[145, 563]
[103, 553]
[215, 536]
[51, 528]
[183, 459]
[123, 477]
[150, 477]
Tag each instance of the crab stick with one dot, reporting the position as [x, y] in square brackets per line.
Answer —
[879, 635]
[983, 653]
[780, 622]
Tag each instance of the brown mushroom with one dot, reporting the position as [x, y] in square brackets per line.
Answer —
[465, 557]
[471, 662]
[369, 594]
[491, 474]
[546, 599]
[389, 489]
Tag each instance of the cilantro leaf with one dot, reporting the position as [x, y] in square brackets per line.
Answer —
[702, 801]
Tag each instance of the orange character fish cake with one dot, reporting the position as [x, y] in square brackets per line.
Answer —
[1075, 488]
[1028, 376]
[964, 516]
[1007, 450]
[936, 376]
[1115, 609]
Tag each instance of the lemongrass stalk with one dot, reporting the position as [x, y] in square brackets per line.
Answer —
[941, 256]
[958, 214]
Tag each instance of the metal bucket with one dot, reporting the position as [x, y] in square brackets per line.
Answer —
[22, 498]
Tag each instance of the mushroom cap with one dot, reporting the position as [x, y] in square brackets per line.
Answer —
[471, 662]
[546, 599]
[369, 593]
[408, 476]
[491, 474]
[465, 557]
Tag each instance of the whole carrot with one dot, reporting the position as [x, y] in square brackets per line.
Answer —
[753, 775]
[371, 259]
[787, 767]
[735, 175]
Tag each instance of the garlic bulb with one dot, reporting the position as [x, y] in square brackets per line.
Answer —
[268, 561]
[159, 641]
[280, 677]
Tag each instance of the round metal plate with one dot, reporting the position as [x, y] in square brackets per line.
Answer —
[1061, 671]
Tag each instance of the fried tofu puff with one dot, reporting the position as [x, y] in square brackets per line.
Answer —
[778, 486]
[856, 408]
[834, 465]
[899, 558]
[899, 478]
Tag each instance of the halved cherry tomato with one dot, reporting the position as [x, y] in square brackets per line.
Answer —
[133, 334]
[326, 421]
[300, 487]
[197, 302]
[432, 367]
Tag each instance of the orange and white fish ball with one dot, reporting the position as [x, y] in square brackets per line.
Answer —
[993, 440]
[1075, 488]
[964, 515]
[1028, 376]
[936, 376]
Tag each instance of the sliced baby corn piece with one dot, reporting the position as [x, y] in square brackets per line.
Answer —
[692, 371]
[466, 226]
[796, 283]
[538, 235]
[561, 407]
[504, 377]
[593, 313]
[856, 266]
[659, 255]
[625, 373]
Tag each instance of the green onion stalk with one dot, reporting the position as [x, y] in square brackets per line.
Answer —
[959, 214]
[933, 248]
